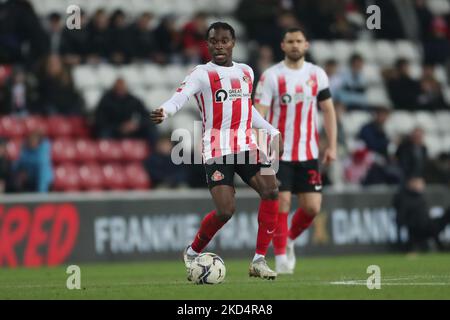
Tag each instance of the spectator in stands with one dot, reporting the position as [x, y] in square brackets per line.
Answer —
[56, 90]
[74, 47]
[16, 93]
[358, 164]
[5, 167]
[424, 17]
[438, 170]
[392, 26]
[264, 60]
[143, 40]
[160, 167]
[373, 133]
[430, 96]
[258, 16]
[55, 28]
[33, 172]
[99, 37]
[412, 155]
[352, 85]
[120, 44]
[403, 89]
[285, 20]
[195, 50]
[168, 40]
[413, 213]
[331, 69]
[20, 28]
[122, 115]
[437, 46]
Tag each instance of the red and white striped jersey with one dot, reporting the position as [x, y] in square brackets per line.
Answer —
[293, 96]
[223, 96]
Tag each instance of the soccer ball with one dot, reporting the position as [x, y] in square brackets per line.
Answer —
[207, 268]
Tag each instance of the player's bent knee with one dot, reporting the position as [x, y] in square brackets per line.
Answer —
[312, 210]
[225, 214]
[269, 193]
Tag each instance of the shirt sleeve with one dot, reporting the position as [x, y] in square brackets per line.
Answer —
[264, 90]
[322, 79]
[190, 86]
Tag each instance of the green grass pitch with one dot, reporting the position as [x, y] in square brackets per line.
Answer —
[423, 277]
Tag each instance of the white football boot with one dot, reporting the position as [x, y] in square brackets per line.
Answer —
[260, 269]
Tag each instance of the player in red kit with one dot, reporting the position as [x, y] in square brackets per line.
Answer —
[290, 92]
[222, 89]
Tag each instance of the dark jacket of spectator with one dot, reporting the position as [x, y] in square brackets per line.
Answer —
[412, 155]
[413, 213]
[57, 93]
[374, 136]
[122, 115]
[402, 88]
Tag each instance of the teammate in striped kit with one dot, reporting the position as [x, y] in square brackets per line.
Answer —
[222, 89]
[290, 92]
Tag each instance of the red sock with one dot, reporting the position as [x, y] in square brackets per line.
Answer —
[281, 233]
[267, 223]
[208, 228]
[300, 222]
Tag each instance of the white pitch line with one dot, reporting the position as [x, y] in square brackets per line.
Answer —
[364, 283]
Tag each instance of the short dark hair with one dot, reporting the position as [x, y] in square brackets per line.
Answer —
[220, 25]
[294, 29]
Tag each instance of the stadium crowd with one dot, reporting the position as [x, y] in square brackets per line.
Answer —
[51, 141]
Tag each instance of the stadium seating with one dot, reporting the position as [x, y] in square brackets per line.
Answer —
[114, 177]
[137, 177]
[12, 127]
[63, 150]
[66, 178]
[91, 177]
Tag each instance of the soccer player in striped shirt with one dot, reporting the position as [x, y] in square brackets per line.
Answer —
[222, 89]
[290, 93]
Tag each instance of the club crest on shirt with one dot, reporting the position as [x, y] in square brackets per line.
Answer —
[217, 176]
[311, 82]
[246, 79]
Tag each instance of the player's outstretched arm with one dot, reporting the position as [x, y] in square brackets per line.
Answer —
[330, 125]
[157, 116]
[258, 122]
[169, 108]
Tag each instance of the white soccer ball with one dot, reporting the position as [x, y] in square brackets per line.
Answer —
[207, 268]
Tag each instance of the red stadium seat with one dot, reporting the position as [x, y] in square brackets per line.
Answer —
[87, 150]
[63, 150]
[137, 177]
[114, 177]
[134, 150]
[80, 127]
[59, 126]
[67, 178]
[12, 127]
[13, 148]
[91, 176]
[109, 150]
[35, 123]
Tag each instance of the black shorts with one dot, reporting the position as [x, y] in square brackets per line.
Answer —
[299, 177]
[220, 171]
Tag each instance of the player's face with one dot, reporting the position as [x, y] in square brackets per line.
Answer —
[220, 46]
[294, 45]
